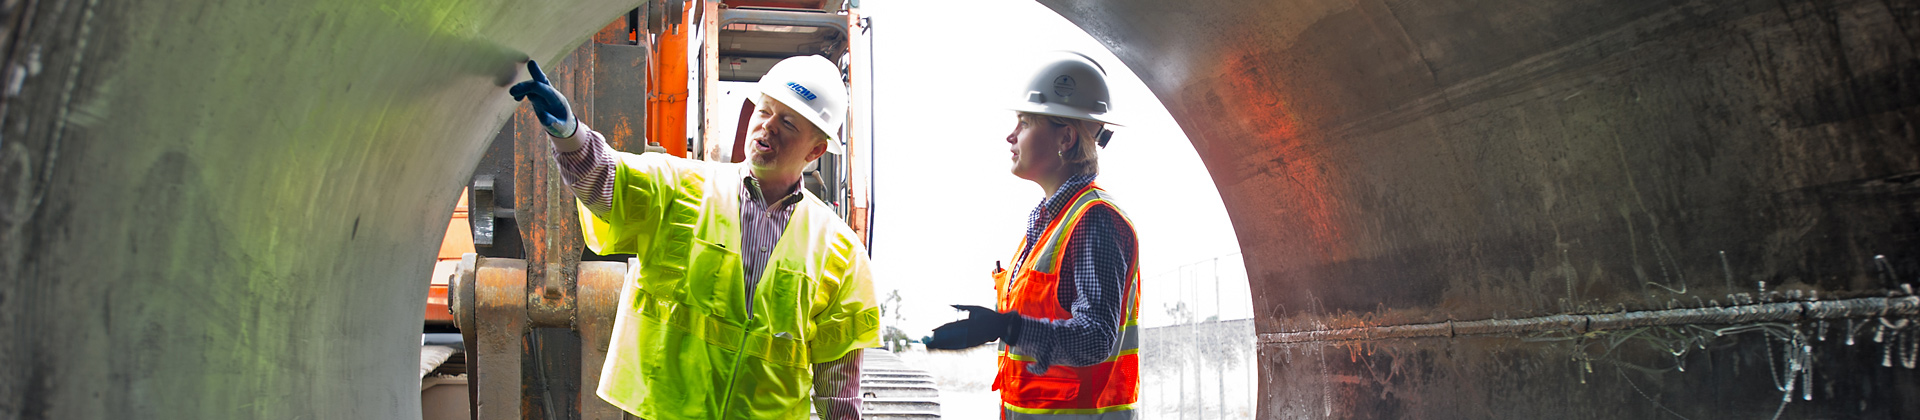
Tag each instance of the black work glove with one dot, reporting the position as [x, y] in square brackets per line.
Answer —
[981, 327]
[548, 104]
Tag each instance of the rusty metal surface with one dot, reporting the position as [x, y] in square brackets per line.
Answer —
[494, 364]
[525, 370]
[1516, 168]
[607, 85]
[600, 286]
[544, 206]
[619, 95]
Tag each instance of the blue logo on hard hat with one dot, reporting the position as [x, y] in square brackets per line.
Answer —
[801, 90]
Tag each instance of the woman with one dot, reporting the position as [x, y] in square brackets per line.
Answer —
[1067, 306]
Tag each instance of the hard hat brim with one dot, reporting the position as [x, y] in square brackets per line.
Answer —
[1061, 111]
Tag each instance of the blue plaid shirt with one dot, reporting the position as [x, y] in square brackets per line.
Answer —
[1093, 277]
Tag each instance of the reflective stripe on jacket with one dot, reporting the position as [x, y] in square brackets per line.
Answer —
[1106, 390]
[684, 343]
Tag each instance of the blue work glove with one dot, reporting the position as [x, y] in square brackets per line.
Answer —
[981, 327]
[548, 104]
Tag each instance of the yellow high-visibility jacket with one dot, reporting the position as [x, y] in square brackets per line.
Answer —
[684, 345]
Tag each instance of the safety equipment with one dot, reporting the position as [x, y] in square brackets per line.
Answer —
[1105, 390]
[548, 104]
[686, 341]
[812, 86]
[1068, 84]
[981, 327]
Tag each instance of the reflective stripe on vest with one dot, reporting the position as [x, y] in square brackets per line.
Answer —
[1054, 241]
[1012, 413]
[1129, 342]
[1105, 390]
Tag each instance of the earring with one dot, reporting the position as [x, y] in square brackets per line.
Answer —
[1059, 154]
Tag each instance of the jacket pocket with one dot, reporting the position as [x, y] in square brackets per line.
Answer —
[784, 300]
[714, 280]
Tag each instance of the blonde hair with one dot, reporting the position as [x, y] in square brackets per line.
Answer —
[1083, 157]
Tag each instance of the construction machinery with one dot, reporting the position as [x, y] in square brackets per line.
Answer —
[1447, 209]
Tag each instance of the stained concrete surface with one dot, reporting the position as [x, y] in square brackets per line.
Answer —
[228, 209]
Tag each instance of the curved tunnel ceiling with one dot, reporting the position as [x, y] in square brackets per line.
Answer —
[1577, 209]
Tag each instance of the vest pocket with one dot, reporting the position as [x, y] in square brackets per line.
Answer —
[664, 270]
[714, 280]
[784, 301]
[1048, 388]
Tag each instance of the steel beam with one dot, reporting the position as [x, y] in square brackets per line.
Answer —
[829, 21]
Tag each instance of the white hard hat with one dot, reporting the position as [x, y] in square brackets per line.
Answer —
[810, 85]
[1068, 84]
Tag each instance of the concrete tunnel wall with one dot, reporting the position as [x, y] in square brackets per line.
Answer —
[1437, 200]
[228, 209]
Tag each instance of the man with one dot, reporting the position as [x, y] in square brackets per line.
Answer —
[749, 291]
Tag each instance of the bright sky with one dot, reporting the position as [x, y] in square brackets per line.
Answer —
[945, 206]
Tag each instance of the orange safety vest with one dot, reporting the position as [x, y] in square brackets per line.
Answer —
[1106, 390]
